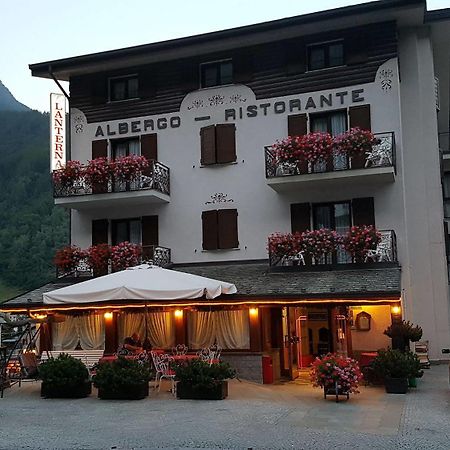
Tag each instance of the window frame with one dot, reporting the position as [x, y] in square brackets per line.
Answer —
[217, 62]
[328, 115]
[326, 45]
[112, 80]
[333, 218]
[115, 142]
[114, 223]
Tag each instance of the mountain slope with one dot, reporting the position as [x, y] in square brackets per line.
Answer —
[31, 227]
[8, 102]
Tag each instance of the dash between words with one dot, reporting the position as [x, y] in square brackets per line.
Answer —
[278, 107]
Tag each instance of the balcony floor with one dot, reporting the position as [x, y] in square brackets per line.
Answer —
[367, 176]
[112, 199]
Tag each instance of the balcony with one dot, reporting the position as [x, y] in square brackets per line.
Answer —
[374, 167]
[444, 146]
[150, 254]
[151, 187]
[385, 255]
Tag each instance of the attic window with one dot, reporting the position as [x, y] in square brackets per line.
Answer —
[123, 88]
[323, 56]
[216, 73]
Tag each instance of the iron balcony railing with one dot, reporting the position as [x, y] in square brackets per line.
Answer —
[151, 254]
[386, 252]
[382, 155]
[156, 177]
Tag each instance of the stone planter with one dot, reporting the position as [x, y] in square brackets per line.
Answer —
[396, 385]
[69, 391]
[217, 392]
[133, 392]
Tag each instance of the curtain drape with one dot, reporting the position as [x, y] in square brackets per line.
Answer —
[339, 126]
[88, 330]
[160, 327]
[230, 329]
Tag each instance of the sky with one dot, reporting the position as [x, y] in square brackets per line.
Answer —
[41, 30]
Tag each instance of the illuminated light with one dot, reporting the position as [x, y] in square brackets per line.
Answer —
[396, 310]
[108, 315]
[178, 313]
[38, 316]
[253, 311]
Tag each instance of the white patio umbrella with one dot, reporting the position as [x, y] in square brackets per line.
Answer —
[144, 282]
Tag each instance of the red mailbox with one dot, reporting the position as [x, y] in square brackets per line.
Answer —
[267, 369]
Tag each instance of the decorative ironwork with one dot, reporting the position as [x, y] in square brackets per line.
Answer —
[157, 177]
[219, 197]
[386, 252]
[381, 155]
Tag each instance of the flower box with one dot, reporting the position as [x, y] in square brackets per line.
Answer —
[48, 390]
[218, 391]
[396, 385]
[132, 392]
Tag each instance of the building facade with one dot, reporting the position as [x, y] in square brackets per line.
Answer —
[206, 111]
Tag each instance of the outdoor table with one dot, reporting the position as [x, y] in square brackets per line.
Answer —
[182, 358]
[366, 358]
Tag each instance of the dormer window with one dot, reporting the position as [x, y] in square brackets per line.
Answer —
[216, 73]
[123, 88]
[325, 55]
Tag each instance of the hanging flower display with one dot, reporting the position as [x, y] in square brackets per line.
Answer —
[288, 151]
[318, 243]
[98, 257]
[98, 171]
[128, 168]
[360, 239]
[284, 244]
[336, 373]
[125, 255]
[316, 147]
[355, 142]
[68, 175]
[68, 258]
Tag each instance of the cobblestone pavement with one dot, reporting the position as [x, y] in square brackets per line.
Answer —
[288, 416]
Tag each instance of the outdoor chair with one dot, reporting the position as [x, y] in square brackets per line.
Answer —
[215, 352]
[164, 370]
[204, 355]
[383, 250]
[28, 366]
[180, 349]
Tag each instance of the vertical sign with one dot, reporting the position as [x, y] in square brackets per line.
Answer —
[57, 131]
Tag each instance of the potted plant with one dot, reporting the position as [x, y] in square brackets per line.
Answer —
[124, 379]
[284, 246]
[67, 177]
[360, 240]
[402, 332]
[125, 255]
[415, 370]
[98, 257]
[129, 168]
[289, 156]
[316, 147]
[68, 258]
[394, 366]
[64, 377]
[337, 375]
[98, 174]
[200, 380]
[355, 142]
[320, 243]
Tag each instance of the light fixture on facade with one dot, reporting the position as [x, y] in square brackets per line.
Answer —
[178, 313]
[253, 312]
[108, 315]
[396, 310]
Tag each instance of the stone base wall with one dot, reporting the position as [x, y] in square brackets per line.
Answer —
[248, 365]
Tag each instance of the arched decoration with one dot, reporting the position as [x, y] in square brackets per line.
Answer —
[363, 321]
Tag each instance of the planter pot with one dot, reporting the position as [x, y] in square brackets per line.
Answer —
[187, 391]
[69, 391]
[412, 382]
[134, 392]
[335, 392]
[396, 385]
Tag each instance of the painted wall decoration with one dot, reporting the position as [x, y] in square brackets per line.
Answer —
[219, 197]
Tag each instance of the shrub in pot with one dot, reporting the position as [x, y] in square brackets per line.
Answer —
[200, 380]
[402, 332]
[414, 369]
[124, 379]
[64, 377]
[394, 366]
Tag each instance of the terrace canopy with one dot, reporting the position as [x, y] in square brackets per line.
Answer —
[144, 282]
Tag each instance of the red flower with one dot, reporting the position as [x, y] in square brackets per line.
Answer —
[68, 175]
[98, 171]
[98, 256]
[355, 142]
[360, 239]
[68, 258]
[125, 255]
[128, 168]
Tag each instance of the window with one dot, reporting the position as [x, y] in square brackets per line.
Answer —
[216, 73]
[322, 56]
[218, 144]
[126, 230]
[220, 229]
[123, 88]
[125, 147]
[446, 187]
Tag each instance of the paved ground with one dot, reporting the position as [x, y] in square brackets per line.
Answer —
[289, 416]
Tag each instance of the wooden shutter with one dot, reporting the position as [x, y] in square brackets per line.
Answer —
[210, 230]
[295, 58]
[297, 124]
[359, 117]
[100, 148]
[150, 234]
[363, 211]
[300, 217]
[227, 228]
[226, 142]
[356, 49]
[149, 146]
[208, 145]
[242, 68]
[100, 231]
